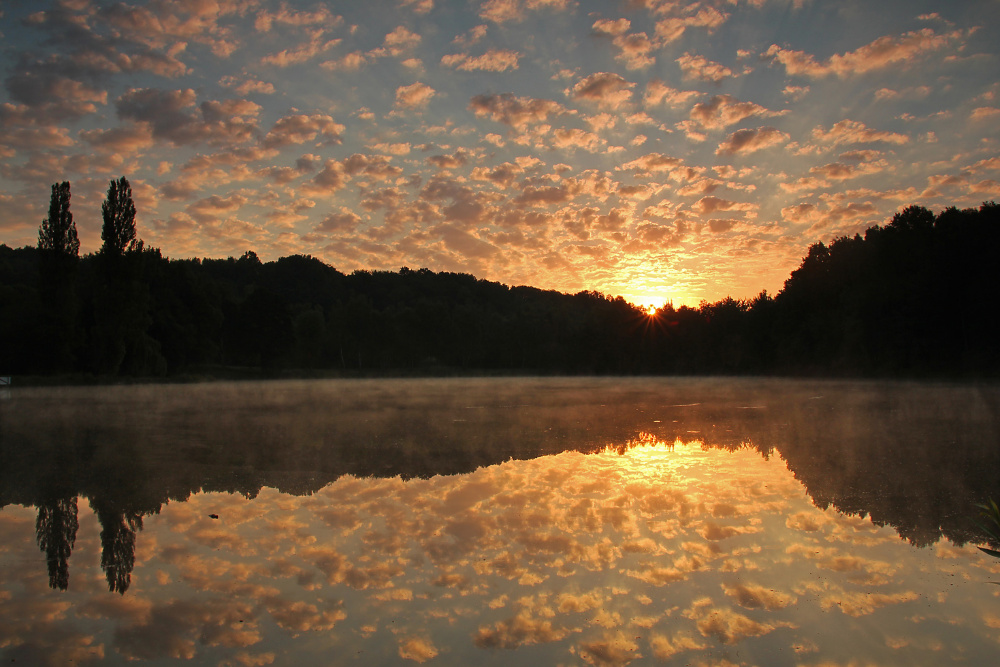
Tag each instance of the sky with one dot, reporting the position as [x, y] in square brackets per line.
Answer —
[655, 149]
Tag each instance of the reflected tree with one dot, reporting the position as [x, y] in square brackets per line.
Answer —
[118, 529]
[55, 531]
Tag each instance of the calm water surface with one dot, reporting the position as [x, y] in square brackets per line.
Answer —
[507, 521]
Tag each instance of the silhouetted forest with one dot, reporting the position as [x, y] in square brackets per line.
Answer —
[913, 297]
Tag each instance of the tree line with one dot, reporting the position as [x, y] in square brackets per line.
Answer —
[913, 297]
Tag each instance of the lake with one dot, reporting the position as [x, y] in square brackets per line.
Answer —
[547, 521]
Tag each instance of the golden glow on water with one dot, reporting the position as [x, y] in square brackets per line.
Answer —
[646, 551]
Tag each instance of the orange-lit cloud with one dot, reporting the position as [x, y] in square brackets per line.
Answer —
[749, 141]
[494, 60]
[701, 68]
[881, 53]
[853, 132]
[515, 111]
[606, 89]
[414, 95]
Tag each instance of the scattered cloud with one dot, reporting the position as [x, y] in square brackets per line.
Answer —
[606, 89]
[724, 110]
[856, 132]
[703, 69]
[414, 96]
[879, 54]
[750, 141]
[494, 60]
[515, 111]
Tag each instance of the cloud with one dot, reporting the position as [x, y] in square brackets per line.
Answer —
[658, 93]
[984, 113]
[724, 110]
[400, 148]
[494, 60]
[913, 92]
[706, 206]
[671, 29]
[838, 171]
[576, 138]
[833, 216]
[652, 162]
[501, 11]
[247, 86]
[304, 52]
[863, 603]
[878, 54]
[730, 627]
[800, 214]
[471, 36]
[348, 62]
[520, 630]
[665, 648]
[605, 88]
[752, 596]
[46, 88]
[749, 141]
[615, 649]
[169, 114]
[465, 244]
[419, 6]
[502, 175]
[124, 139]
[612, 28]
[321, 15]
[176, 628]
[795, 93]
[634, 50]
[401, 40]
[458, 159]
[300, 616]
[342, 221]
[300, 128]
[414, 96]
[517, 112]
[418, 649]
[855, 132]
[703, 69]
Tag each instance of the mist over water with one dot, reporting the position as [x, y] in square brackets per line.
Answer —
[543, 521]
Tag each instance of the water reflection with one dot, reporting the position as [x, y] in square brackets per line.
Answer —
[55, 531]
[594, 522]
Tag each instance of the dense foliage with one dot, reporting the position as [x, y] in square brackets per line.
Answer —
[912, 297]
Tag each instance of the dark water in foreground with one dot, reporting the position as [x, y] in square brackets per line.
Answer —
[502, 521]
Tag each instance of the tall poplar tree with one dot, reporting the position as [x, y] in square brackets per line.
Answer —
[57, 233]
[118, 211]
[120, 338]
[59, 252]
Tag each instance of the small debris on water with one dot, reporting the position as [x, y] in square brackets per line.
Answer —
[213, 516]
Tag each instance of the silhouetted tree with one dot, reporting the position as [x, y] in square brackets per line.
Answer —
[118, 211]
[121, 306]
[57, 233]
[59, 249]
